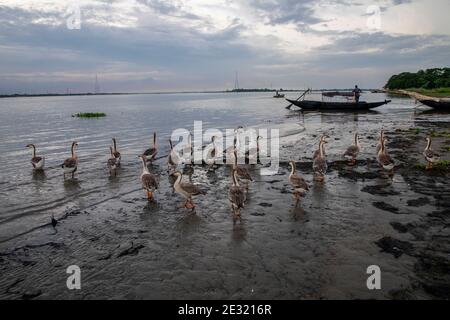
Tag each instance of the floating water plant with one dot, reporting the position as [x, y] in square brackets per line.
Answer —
[89, 115]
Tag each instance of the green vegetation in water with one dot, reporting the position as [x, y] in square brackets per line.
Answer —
[443, 165]
[89, 115]
[429, 79]
[442, 134]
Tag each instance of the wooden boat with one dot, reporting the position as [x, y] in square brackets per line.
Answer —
[337, 106]
[278, 95]
[440, 104]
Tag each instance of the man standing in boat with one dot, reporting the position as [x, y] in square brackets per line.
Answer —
[356, 94]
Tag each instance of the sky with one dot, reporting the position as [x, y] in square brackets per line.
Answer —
[60, 46]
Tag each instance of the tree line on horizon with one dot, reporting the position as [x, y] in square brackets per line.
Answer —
[425, 79]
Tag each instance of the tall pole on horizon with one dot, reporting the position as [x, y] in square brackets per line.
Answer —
[96, 86]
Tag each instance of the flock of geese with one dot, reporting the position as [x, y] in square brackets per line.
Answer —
[240, 176]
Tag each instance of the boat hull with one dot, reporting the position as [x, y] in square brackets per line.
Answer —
[337, 106]
[435, 104]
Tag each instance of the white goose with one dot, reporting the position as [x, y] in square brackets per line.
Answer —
[38, 163]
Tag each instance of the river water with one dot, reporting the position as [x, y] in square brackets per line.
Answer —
[128, 248]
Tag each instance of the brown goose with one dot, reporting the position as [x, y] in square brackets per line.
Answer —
[38, 163]
[431, 156]
[186, 190]
[382, 138]
[298, 183]
[320, 165]
[148, 180]
[316, 153]
[241, 172]
[150, 154]
[116, 153]
[237, 197]
[385, 160]
[112, 162]
[70, 165]
[353, 151]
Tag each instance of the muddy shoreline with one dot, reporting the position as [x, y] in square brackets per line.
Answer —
[131, 249]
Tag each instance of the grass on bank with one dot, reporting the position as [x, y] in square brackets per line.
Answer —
[437, 93]
[89, 115]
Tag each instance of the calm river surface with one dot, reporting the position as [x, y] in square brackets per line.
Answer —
[128, 248]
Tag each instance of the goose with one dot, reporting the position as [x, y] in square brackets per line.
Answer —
[353, 151]
[316, 153]
[252, 153]
[148, 180]
[38, 163]
[237, 197]
[320, 165]
[385, 160]
[70, 165]
[116, 153]
[211, 154]
[188, 151]
[186, 190]
[172, 159]
[298, 183]
[430, 156]
[382, 137]
[242, 172]
[113, 162]
[150, 153]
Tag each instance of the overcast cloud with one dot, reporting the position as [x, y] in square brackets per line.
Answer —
[167, 45]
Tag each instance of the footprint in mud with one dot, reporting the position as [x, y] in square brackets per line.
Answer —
[395, 247]
[386, 207]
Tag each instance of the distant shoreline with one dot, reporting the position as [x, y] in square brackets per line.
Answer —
[37, 95]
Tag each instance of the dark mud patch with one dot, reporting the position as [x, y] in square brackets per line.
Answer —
[380, 190]
[395, 247]
[265, 204]
[420, 202]
[386, 207]
[434, 272]
[129, 249]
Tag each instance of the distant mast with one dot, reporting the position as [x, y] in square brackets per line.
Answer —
[96, 86]
[236, 83]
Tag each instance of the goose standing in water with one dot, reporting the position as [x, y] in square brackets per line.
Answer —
[382, 138]
[186, 190]
[150, 154]
[242, 172]
[70, 165]
[237, 197]
[298, 183]
[112, 162]
[253, 153]
[320, 165]
[316, 153]
[353, 151]
[38, 163]
[172, 159]
[385, 160]
[211, 154]
[430, 156]
[116, 153]
[148, 180]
